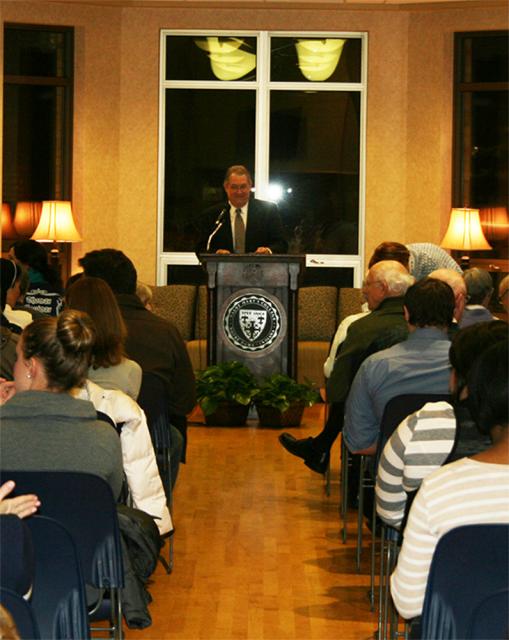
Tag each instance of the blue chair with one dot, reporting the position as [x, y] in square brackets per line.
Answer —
[469, 567]
[490, 618]
[84, 504]
[58, 592]
[21, 613]
[154, 402]
[17, 561]
[396, 410]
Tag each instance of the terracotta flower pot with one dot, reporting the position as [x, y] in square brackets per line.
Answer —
[228, 415]
[271, 417]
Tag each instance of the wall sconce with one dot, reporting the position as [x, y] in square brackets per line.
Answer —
[56, 224]
[26, 217]
[318, 59]
[8, 230]
[465, 233]
[227, 60]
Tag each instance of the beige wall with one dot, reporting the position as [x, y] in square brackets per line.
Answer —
[408, 169]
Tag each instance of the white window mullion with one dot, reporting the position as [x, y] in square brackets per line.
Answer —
[263, 117]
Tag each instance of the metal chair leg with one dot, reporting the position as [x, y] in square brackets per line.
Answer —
[373, 559]
[344, 490]
[360, 509]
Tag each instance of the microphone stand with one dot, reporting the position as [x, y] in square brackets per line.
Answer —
[219, 223]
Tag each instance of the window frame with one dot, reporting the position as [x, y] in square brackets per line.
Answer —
[261, 169]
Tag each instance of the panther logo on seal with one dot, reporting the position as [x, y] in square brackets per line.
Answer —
[252, 322]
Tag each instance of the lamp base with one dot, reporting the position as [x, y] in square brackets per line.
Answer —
[465, 262]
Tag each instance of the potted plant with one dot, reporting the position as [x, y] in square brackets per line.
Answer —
[280, 400]
[224, 393]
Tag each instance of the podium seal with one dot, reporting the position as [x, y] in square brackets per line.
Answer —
[253, 321]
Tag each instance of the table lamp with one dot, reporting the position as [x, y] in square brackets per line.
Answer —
[465, 233]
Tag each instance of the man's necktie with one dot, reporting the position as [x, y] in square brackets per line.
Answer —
[239, 232]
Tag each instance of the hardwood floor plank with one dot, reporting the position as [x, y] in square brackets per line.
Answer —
[257, 546]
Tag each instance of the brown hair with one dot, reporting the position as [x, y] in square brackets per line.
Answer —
[238, 170]
[390, 251]
[95, 297]
[63, 345]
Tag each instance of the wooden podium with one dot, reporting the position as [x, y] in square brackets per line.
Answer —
[252, 310]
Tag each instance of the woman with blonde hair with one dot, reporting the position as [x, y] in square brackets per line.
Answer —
[45, 428]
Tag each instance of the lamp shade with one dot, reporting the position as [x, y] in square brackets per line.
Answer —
[56, 223]
[464, 231]
[26, 217]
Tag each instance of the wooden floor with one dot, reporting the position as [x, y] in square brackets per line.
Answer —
[257, 546]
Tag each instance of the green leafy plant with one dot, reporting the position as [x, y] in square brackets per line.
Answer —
[279, 391]
[225, 382]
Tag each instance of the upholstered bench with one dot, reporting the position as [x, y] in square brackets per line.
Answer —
[320, 311]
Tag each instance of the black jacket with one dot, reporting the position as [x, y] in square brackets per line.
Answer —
[264, 228]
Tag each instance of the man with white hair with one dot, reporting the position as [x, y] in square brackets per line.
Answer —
[479, 289]
[384, 287]
[457, 283]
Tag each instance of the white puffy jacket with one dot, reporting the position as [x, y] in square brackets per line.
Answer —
[140, 466]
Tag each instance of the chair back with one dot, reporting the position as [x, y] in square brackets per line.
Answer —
[58, 591]
[17, 560]
[84, 504]
[398, 408]
[470, 564]
[21, 613]
[490, 618]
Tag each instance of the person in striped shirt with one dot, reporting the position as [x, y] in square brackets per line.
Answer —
[426, 439]
[473, 490]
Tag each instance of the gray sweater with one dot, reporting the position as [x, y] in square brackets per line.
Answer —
[45, 431]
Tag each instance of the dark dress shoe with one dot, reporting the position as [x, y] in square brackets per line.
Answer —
[301, 448]
[316, 460]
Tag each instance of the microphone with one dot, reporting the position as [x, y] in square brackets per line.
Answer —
[222, 215]
[218, 224]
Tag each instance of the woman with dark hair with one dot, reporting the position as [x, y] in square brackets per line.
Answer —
[110, 368]
[8, 339]
[437, 433]
[43, 426]
[45, 287]
[473, 490]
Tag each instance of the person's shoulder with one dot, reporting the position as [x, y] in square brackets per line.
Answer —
[262, 205]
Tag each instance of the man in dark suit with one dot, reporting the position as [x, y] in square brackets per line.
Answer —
[244, 224]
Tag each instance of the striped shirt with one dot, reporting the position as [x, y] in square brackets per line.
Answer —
[464, 492]
[419, 445]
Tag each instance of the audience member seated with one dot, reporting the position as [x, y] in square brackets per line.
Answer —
[21, 506]
[503, 293]
[385, 251]
[8, 339]
[419, 364]
[420, 259]
[43, 426]
[144, 293]
[473, 490]
[44, 292]
[154, 343]
[140, 467]
[479, 291]
[426, 257]
[385, 285]
[110, 368]
[18, 318]
[457, 283]
[427, 438]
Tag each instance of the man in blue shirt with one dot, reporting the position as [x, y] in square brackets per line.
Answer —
[420, 364]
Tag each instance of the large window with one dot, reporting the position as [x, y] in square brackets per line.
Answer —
[481, 124]
[37, 124]
[289, 107]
